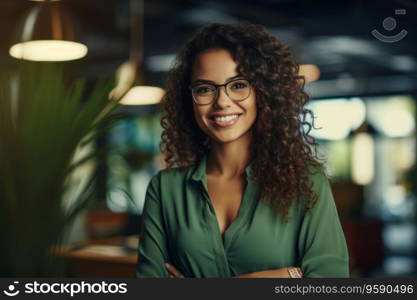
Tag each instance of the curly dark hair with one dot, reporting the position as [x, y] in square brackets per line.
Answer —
[281, 145]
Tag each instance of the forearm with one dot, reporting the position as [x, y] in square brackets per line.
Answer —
[285, 272]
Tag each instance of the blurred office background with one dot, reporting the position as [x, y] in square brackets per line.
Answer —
[364, 99]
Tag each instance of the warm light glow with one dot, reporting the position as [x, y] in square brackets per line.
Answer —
[393, 116]
[403, 153]
[48, 50]
[362, 158]
[397, 122]
[310, 72]
[125, 78]
[143, 95]
[336, 118]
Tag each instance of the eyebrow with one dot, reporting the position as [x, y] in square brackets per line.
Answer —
[212, 82]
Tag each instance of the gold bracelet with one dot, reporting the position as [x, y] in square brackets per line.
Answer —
[294, 273]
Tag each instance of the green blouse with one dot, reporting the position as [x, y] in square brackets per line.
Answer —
[179, 226]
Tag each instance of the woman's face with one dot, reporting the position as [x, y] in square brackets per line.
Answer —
[224, 120]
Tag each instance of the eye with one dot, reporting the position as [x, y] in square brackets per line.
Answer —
[239, 85]
[203, 89]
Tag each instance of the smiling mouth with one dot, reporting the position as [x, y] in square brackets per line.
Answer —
[225, 121]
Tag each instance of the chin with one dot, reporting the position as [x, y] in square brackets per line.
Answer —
[225, 138]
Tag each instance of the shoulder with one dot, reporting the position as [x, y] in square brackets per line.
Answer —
[317, 176]
[172, 176]
[319, 182]
[321, 188]
[170, 186]
[176, 174]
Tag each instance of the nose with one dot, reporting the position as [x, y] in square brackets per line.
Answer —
[222, 99]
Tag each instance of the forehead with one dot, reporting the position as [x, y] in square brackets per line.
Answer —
[216, 65]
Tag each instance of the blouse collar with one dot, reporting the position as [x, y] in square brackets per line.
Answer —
[198, 173]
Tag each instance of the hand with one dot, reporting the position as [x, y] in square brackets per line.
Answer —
[174, 272]
[274, 273]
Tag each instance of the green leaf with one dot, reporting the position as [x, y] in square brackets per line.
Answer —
[41, 128]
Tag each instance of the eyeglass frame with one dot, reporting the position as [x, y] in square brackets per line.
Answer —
[217, 86]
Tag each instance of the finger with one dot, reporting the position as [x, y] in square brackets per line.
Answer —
[176, 275]
[174, 270]
[171, 275]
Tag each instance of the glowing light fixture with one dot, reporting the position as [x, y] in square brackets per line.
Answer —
[362, 158]
[132, 72]
[393, 116]
[48, 50]
[143, 95]
[47, 33]
[336, 118]
[310, 72]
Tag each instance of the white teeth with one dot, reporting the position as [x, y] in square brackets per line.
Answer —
[226, 118]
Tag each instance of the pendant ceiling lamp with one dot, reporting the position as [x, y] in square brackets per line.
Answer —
[130, 76]
[47, 33]
[310, 72]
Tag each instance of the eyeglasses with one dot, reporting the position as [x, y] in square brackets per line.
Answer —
[206, 93]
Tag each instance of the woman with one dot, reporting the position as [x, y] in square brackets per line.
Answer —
[244, 194]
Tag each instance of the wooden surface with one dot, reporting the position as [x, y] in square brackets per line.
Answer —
[102, 258]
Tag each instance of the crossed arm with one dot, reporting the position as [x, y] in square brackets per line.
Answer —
[286, 272]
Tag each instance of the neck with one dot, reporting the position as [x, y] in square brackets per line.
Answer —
[229, 160]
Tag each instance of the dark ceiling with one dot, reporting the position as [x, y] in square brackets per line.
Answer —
[335, 35]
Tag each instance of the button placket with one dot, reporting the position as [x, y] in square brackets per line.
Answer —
[214, 231]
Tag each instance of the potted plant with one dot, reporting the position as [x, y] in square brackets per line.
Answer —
[44, 122]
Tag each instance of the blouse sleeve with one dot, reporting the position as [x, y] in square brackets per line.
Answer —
[152, 238]
[322, 242]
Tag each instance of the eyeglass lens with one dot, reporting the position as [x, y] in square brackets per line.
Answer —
[235, 90]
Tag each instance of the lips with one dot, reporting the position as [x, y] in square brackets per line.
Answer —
[223, 120]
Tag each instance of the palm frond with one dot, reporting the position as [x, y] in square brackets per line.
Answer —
[38, 139]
